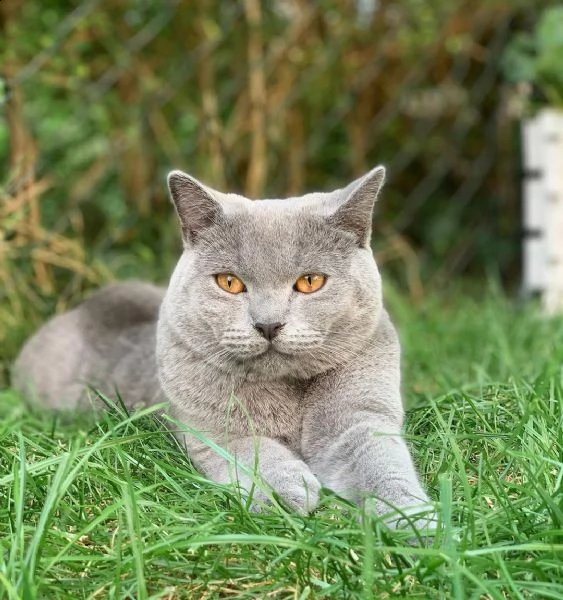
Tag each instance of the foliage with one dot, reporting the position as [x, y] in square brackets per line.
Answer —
[535, 58]
[264, 98]
[110, 507]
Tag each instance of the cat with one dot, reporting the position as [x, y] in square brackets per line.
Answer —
[271, 342]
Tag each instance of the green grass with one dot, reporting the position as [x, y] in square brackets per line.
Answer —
[113, 509]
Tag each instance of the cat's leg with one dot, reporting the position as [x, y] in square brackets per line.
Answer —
[351, 436]
[261, 458]
[367, 457]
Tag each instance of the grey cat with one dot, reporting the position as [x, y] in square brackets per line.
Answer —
[271, 342]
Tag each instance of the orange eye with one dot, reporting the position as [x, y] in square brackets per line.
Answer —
[312, 282]
[230, 283]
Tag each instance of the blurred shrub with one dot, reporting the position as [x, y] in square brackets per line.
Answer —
[535, 58]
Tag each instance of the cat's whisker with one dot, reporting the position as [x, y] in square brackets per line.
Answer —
[337, 352]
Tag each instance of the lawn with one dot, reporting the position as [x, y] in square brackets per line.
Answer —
[111, 508]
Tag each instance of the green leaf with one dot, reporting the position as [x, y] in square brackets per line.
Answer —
[549, 33]
[519, 59]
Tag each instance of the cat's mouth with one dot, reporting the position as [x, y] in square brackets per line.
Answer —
[279, 356]
[287, 351]
[269, 351]
[274, 363]
[270, 354]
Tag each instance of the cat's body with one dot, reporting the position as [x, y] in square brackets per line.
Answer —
[301, 384]
[107, 342]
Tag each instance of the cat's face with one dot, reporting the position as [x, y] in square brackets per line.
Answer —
[274, 288]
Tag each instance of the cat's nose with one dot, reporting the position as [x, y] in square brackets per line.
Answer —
[269, 330]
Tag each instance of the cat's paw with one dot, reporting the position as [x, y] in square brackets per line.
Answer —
[299, 489]
[420, 519]
[418, 516]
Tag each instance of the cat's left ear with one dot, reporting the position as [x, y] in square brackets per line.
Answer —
[354, 213]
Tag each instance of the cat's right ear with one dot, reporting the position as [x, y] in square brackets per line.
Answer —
[195, 204]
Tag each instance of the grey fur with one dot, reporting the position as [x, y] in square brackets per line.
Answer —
[107, 342]
[319, 405]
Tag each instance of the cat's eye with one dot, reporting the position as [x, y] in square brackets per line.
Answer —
[309, 283]
[230, 283]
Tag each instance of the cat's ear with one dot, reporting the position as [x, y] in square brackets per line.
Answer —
[354, 213]
[195, 204]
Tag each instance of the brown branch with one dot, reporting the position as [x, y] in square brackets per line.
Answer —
[277, 60]
[23, 152]
[258, 160]
[210, 105]
[85, 184]
[296, 154]
[13, 204]
[398, 247]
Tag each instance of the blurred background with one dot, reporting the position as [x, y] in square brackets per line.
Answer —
[99, 100]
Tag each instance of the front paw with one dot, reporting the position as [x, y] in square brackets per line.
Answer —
[422, 518]
[300, 490]
[409, 513]
[297, 487]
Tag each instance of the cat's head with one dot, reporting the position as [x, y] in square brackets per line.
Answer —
[274, 288]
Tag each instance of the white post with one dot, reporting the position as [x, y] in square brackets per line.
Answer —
[543, 208]
[534, 216]
[553, 136]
